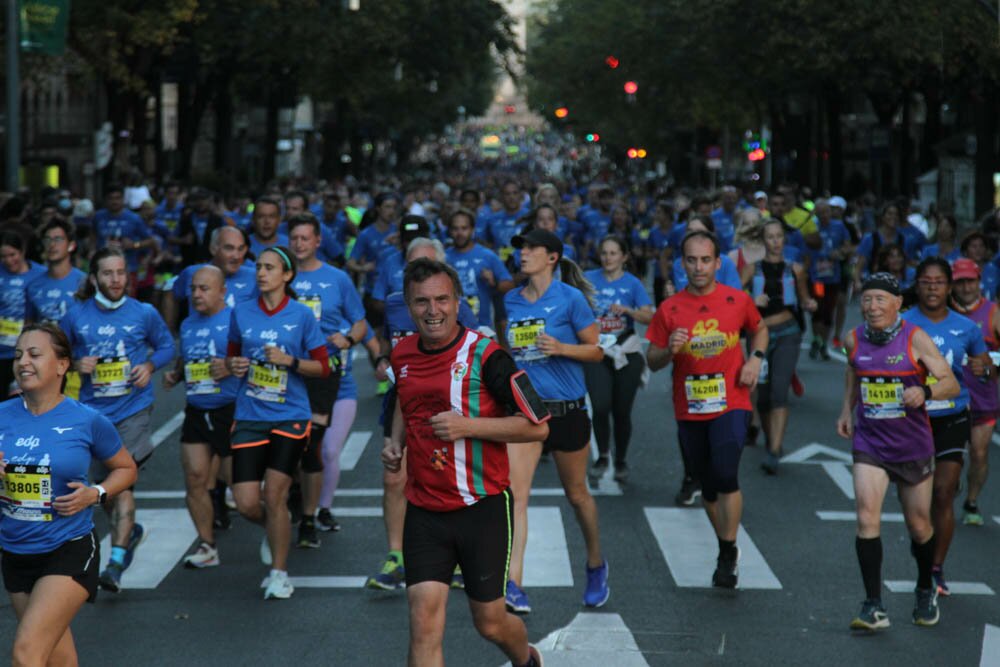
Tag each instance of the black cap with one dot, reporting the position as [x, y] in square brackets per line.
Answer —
[412, 227]
[539, 237]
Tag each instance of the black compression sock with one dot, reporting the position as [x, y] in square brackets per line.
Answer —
[869, 552]
[924, 555]
[726, 547]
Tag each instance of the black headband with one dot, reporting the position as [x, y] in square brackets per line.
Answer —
[883, 281]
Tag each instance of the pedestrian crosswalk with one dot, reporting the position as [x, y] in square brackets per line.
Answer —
[169, 534]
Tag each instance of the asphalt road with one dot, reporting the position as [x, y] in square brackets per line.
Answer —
[794, 605]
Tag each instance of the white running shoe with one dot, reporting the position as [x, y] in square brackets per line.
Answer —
[279, 587]
[265, 552]
[205, 556]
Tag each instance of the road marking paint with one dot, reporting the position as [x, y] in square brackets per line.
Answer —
[887, 517]
[690, 547]
[357, 511]
[995, 438]
[807, 453]
[165, 494]
[841, 476]
[956, 587]
[546, 557]
[159, 495]
[990, 656]
[169, 536]
[165, 431]
[353, 449]
[592, 639]
[324, 582]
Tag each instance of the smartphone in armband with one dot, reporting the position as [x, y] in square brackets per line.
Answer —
[527, 399]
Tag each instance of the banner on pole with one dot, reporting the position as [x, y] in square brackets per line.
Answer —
[43, 26]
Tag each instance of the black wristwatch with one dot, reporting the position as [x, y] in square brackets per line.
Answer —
[758, 354]
[351, 340]
[295, 364]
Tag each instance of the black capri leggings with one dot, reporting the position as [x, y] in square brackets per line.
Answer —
[612, 394]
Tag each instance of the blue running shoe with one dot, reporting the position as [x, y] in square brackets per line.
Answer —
[597, 592]
[516, 599]
[391, 577]
[111, 578]
[135, 538]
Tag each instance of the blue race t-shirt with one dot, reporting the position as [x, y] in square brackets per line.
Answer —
[43, 454]
[49, 299]
[369, 246]
[561, 312]
[500, 228]
[269, 392]
[241, 286]
[13, 305]
[203, 339]
[627, 291]
[120, 339]
[388, 274]
[330, 295]
[122, 225]
[727, 274]
[934, 250]
[469, 265]
[256, 247]
[957, 337]
[822, 267]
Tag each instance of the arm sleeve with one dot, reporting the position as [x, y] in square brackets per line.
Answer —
[159, 338]
[104, 439]
[321, 355]
[496, 373]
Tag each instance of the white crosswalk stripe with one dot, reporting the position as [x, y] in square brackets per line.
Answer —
[354, 448]
[956, 587]
[169, 535]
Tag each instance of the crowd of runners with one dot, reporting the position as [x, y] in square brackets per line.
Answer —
[505, 318]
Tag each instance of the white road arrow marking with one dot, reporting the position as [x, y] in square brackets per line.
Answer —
[591, 639]
[807, 453]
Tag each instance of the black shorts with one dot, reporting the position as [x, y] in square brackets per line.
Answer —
[312, 455]
[568, 433]
[713, 448]
[478, 538]
[909, 473]
[952, 435]
[322, 392]
[258, 446]
[79, 559]
[211, 427]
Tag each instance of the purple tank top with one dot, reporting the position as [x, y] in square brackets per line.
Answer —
[982, 395]
[884, 427]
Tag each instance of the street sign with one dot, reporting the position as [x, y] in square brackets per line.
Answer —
[43, 26]
[713, 163]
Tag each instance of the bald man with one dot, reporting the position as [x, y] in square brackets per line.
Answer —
[211, 398]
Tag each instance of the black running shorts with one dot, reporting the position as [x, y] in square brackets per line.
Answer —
[209, 427]
[79, 559]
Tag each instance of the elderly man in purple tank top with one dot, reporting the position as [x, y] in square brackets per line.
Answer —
[884, 413]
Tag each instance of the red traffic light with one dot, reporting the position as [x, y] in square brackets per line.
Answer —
[756, 155]
[612, 62]
[632, 153]
[593, 137]
[631, 87]
[510, 108]
[561, 112]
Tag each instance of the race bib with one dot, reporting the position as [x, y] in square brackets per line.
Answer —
[111, 377]
[933, 406]
[612, 324]
[473, 302]
[267, 382]
[10, 329]
[882, 398]
[315, 303]
[26, 493]
[523, 338]
[198, 378]
[706, 394]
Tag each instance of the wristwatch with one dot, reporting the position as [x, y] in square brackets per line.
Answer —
[758, 354]
[103, 494]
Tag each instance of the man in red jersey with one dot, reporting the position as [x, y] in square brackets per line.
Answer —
[698, 329]
[460, 398]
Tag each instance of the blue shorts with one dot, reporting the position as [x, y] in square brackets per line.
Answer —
[713, 448]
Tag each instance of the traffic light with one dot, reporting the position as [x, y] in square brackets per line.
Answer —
[612, 62]
[641, 153]
[561, 112]
[509, 109]
[755, 146]
[631, 87]
[593, 137]
[632, 153]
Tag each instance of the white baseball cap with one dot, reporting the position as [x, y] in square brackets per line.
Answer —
[838, 202]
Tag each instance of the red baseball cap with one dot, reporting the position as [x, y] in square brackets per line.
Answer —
[964, 269]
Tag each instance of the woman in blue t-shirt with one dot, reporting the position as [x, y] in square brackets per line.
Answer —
[551, 333]
[50, 550]
[16, 271]
[620, 300]
[274, 341]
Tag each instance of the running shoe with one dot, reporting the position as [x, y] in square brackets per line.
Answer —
[265, 552]
[598, 469]
[308, 539]
[597, 592]
[205, 556]
[382, 388]
[279, 587]
[770, 463]
[726, 570]
[925, 611]
[535, 656]
[797, 387]
[135, 538]
[937, 573]
[690, 490]
[391, 577]
[111, 578]
[516, 599]
[457, 578]
[871, 617]
[621, 473]
[971, 515]
[326, 522]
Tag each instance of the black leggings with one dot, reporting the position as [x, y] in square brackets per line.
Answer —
[612, 393]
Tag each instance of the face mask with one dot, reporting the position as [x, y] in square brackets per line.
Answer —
[105, 302]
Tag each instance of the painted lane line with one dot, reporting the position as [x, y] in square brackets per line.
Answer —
[353, 449]
[841, 476]
[956, 587]
[546, 557]
[995, 438]
[324, 582]
[165, 431]
[591, 639]
[809, 453]
[169, 536]
[690, 547]
[990, 656]
[887, 517]
[550, 492]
